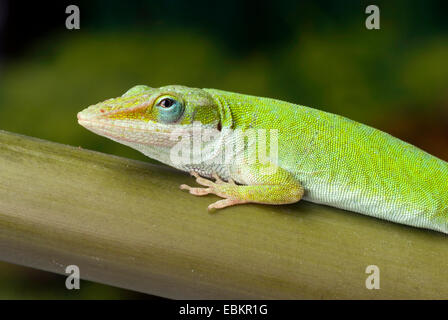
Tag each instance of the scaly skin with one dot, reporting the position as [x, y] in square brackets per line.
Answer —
[322, 157]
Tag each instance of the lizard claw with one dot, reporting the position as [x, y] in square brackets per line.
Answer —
[211, 188]
[223, 203]
[195, 191]
[185, 187]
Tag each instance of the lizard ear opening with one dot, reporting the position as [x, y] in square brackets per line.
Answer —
[225, 116]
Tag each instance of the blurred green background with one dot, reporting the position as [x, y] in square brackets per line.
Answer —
[315, 53]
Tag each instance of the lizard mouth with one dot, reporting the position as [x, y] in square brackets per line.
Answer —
[121, 127]
[152, 134]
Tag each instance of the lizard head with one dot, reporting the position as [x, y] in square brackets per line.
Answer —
[148, 115]
[144, 118]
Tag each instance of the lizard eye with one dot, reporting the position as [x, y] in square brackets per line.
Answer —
[166, 103]
[170, 109]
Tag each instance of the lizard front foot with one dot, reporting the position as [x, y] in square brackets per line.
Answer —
[278, 188]
[213, 188]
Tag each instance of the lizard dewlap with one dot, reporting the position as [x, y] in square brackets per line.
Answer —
[280, 153]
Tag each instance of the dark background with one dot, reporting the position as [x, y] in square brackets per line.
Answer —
[315, 53]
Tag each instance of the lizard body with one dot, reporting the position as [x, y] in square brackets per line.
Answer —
[319, 156]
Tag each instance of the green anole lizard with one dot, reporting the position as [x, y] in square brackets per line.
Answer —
[311, 154]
